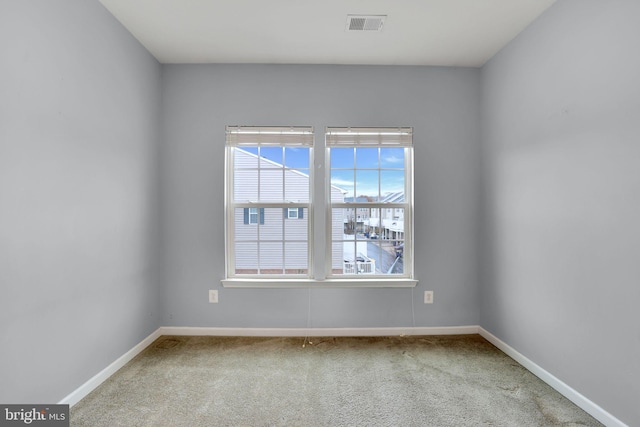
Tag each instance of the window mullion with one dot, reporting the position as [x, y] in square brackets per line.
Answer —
[282, 220]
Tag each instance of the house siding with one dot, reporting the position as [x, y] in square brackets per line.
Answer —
[280, 242]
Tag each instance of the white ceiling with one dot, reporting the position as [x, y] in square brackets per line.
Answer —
[416, 32]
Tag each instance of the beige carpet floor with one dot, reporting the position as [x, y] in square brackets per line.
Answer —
[439, 381]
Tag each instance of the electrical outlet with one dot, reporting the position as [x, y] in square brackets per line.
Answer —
[428, 297]
[213, 296]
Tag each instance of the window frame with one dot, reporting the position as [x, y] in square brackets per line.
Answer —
[298, 213]
[259, 214]
[372, 138]
[319, 229]
[264, 136]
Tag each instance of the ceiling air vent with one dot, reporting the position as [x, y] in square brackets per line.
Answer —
[365, 22]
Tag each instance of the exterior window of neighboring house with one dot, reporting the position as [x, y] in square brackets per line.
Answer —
[373, 167]
[268, 173]
[294, 213]
[253, 215]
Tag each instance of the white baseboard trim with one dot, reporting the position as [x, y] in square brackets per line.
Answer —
[587, 405]
[86, 388]
[101, 376]
[581, 401]
[318, 332]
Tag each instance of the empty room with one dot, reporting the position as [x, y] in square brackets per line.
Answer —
[243, 212]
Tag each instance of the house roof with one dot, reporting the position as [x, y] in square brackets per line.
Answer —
[396, 197]
[280, 165]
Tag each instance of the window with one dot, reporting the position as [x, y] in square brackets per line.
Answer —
[364, 227]
[294, 213]
[372, 167]
[268, 174]
[253, 215]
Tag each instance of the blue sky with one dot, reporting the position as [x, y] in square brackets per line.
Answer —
[369, 171]
[292, 157]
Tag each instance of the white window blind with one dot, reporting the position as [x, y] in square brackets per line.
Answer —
[238, 136]
[350, 137]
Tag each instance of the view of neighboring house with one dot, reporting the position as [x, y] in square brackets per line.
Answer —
[376, 223]
[356, 218]
[274, 240]
[387, 223]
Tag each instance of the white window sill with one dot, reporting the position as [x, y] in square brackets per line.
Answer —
[327, 283]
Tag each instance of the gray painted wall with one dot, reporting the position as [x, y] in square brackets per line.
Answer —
[442, 104]
[561, 126]
[94, 257]
[79, 110]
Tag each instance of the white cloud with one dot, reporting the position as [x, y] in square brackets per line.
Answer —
[341, 182]
[393, 159]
